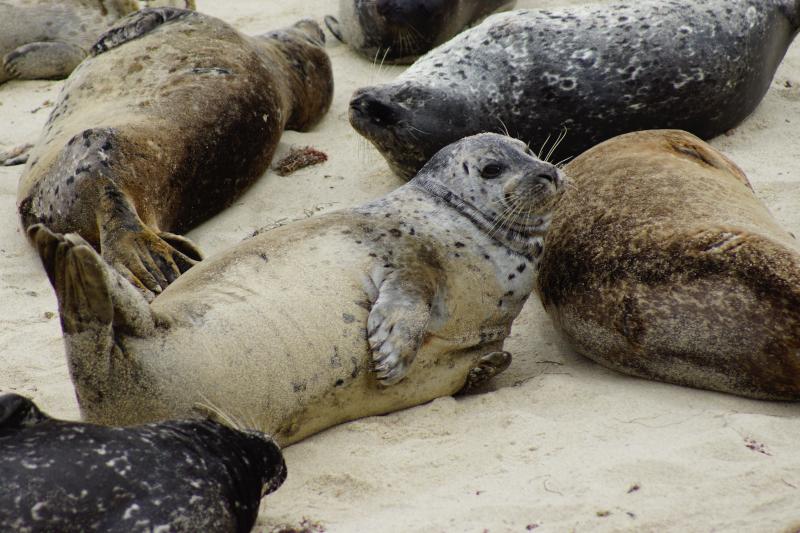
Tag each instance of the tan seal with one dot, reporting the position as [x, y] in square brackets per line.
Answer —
[44, 39]
[355, 313]
[171, 119]
[663, 264]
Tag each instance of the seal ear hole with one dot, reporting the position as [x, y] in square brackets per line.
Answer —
[492, 170]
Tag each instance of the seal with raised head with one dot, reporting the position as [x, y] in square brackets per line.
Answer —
[662, 263]
[399, 31]
[587, 72]
[42, 39]
[178, 476]
[171, 119]
[282, 330]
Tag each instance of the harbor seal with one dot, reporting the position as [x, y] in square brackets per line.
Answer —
[171, 119]
[318, 322]
[42, 39]
[190, 475]
[662, 263]
[399, 31]
[586, 73]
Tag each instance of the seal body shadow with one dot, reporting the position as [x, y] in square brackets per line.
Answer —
[587, 72]
[184, 476]
[170, 120]
[47, 40]
[399, 31]
[355, 313]
[662, 263]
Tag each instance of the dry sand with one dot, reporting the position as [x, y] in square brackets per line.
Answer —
[559, 444]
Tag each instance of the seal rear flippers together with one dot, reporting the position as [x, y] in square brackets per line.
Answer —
[96, 306]
[43, 60]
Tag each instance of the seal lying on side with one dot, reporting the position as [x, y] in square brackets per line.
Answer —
[282, 330]
[173, 476]
[173, 116]
[590, 72]
[399, 31]
[661, 263]
[43, 39]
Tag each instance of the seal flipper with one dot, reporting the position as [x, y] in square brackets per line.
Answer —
[97, 307]
[43, 60]
[333, 26]
[17, 412]
[487, 367]
[398, 321]
[15, 156]
[144, 258]
[135, 25]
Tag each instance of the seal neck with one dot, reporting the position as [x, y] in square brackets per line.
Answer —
[520, 243]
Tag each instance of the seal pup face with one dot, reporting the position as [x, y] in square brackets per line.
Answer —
[311, 78]
[18, 412]
[497, 183]
[408, 122]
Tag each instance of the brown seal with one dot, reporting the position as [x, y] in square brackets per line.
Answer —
[42, 39]
[172, 118]
[355, 313]
[662, 263]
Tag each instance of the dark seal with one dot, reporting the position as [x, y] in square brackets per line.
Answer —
[661, 263]
[399, 31]
[587, 72]
[174, 476]
[171, 119]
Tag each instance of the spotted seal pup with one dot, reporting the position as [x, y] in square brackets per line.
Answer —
[662, 263]
[585, 72]
[172, 118]
[43, 39]
[190, 475]
[319, 322]
[399, 31]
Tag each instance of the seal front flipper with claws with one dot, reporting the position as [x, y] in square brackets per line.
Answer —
[173, 116]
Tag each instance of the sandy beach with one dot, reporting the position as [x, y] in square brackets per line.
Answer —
[557, 443]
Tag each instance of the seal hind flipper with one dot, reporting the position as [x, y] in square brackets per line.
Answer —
[95, 304]
[17, 155]
[18, 411]
[136, 25]
[43, 60]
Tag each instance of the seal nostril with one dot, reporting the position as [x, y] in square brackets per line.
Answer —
[547, 177]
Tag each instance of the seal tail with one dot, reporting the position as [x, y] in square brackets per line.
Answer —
[97, 307]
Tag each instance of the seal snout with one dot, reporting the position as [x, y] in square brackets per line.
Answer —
[366, 106]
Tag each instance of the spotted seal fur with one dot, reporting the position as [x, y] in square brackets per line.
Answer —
[178, 476]
[662, 263]
[589, 72]
[420, 286]
[399, 31]
[172, 118]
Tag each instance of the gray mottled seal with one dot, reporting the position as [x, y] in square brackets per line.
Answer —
[43, 39]
[191, 475]
[590, 72]
[399, 31]
[283, 329]
[173, 116]
[661, 263]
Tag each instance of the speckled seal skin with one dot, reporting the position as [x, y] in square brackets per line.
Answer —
[43, 39]
[176, 476]
[171, 119]
[399, 31]
[590, 72]
[662, 263]
[355, 313]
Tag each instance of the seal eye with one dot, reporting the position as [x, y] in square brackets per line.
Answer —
[491, 171]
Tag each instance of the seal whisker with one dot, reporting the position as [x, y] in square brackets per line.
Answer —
[544, 144]
[561, 136]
